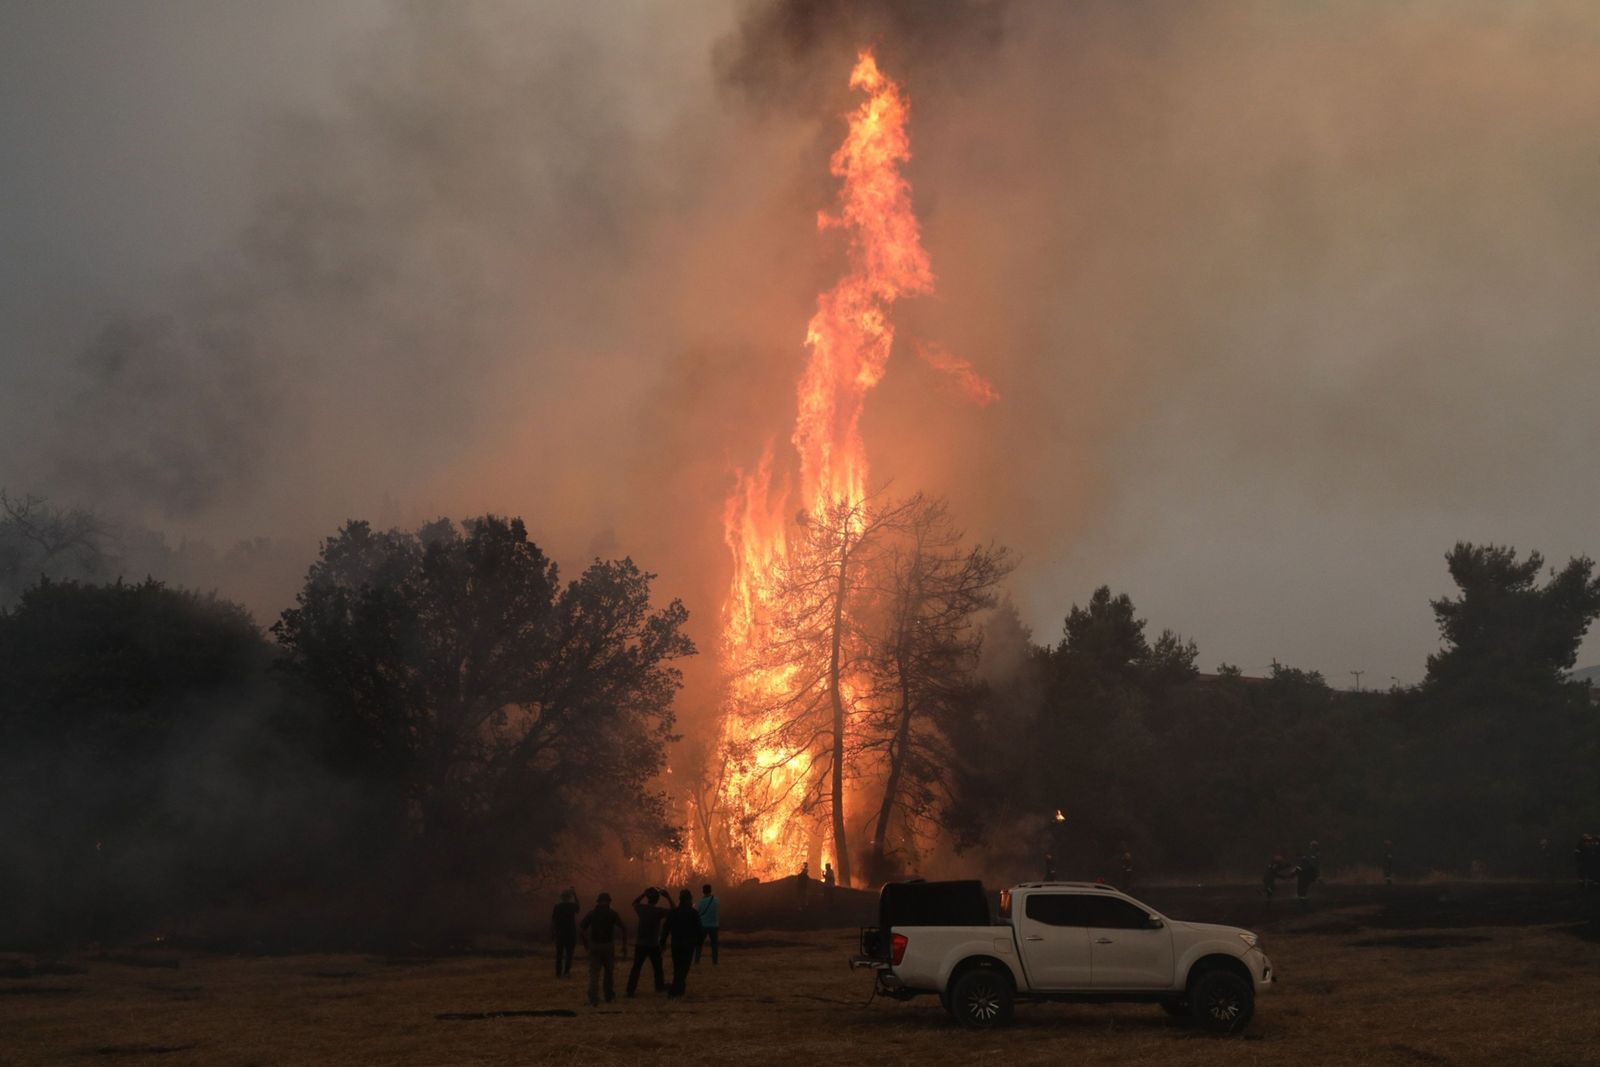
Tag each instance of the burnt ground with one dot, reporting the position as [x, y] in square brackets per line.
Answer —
[1478, 973]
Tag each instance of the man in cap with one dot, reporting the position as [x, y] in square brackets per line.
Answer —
[600, 930]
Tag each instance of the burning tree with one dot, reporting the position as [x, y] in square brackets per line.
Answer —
[800, 602]
[822, 604]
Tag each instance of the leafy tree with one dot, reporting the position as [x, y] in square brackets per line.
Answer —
[1504, 625]
[489, 706]
[122, 708]
[924, 664]
[1505, 745]
[1105, 638]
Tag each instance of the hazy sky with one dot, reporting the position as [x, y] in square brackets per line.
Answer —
[1282, 299]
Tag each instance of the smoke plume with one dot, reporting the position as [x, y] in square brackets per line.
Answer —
[1279, 301]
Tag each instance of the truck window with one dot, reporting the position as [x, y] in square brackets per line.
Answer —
[1060, 909]
[1109, 913]
[919, 903]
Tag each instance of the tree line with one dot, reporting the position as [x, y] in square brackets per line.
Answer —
[440, 718]
[1491, 755]
[437, 716]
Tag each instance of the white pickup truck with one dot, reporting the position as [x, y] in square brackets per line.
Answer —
[1081, 941]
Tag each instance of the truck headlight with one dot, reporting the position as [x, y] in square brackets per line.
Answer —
[1249, 939]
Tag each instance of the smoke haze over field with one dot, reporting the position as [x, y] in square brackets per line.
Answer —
[1280, 300]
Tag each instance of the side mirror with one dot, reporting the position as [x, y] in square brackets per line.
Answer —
[1154, 922]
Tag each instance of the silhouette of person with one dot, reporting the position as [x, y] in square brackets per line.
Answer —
[1307, 871]
[710, 920]
[647, 946]
[827, 882]
[600, 930]
[683, 928]
[1276, 868]
[564, 930]
[802, 882]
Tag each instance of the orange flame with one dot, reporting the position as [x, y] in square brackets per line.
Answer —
[974, 386]
[849, 337]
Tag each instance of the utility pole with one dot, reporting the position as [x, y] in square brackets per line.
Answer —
[1358, 675]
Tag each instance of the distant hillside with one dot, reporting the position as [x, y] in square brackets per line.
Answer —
[1587, 674]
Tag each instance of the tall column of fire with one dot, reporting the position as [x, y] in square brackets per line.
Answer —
[849, 339]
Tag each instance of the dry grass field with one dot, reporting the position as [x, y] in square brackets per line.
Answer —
[1362, 982]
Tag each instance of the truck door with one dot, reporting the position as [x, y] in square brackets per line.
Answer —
[1126, 951]
[1053, 937]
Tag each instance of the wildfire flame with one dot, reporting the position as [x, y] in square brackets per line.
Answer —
[849, 339]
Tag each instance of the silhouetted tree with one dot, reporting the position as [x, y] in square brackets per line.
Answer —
[923, 665]
[1504, 744]
[123, 710]
[42, 540]
[491, 706]
[1506, 628]
[1105, 639]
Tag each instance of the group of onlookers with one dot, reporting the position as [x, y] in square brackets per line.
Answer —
[684, 930]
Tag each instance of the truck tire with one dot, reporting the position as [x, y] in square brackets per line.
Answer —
[1221, 1001]
[981, 998]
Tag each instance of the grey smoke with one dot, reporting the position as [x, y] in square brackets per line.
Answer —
[1281, 300]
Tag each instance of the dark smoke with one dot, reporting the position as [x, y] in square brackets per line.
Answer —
[793, 53]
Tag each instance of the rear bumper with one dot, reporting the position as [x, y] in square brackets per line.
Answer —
[893, 986]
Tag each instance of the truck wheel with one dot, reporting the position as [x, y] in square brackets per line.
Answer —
[981, 998]
[1221, 1002]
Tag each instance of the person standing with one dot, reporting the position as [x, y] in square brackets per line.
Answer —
[1276, 869]
[827, 883]
[683, 927]
[647, 946]
[564, 930]
[1127, 872]
[600, 930]
[1307, 871]
[802, 882]
[710, 910]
